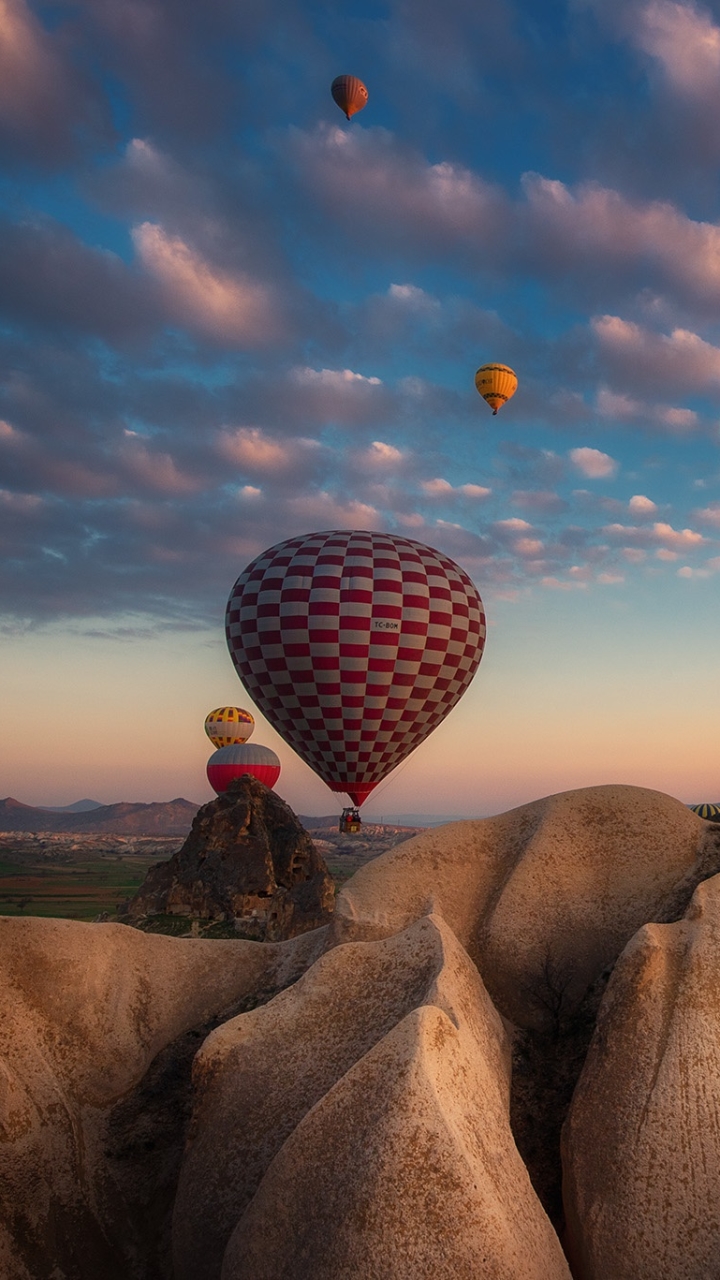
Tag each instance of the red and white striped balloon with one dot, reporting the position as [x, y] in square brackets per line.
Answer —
[355, 646]
[239, 758]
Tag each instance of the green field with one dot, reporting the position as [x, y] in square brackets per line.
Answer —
[79, 890]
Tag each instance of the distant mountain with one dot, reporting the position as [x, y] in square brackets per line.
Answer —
[172, 818]
[80, 806]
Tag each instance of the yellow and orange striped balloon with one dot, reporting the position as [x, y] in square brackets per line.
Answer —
[227, 725]
[496, 384]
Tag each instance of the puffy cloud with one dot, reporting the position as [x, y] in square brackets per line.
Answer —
[336, 379]
[251, 448]
[439, 488]
[42, 97]
[227, 306]
[600, 230]
[322, 510]
[660, 532]
[709, 515]
[157, 471]
[681, 359]
[379, 457]
[593, 463]
[641, 506]
[686, 41]
[610, 579]
[626, 408]
[387, 191]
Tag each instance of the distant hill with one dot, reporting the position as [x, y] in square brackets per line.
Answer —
[171, 818]
[80, 806]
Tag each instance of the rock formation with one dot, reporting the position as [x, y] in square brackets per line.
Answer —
[247, 858]
[642, 1141]
[355, 1113]
[98, 1027]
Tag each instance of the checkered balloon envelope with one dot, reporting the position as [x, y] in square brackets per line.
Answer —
[355, 646]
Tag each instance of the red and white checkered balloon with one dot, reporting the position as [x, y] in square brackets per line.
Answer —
[355, 646]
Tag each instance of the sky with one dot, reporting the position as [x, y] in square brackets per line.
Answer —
[228, 317]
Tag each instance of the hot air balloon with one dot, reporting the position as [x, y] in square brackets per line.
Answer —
[349, 93]
[709, 811]
[242, 757]
[355, 646]
[227, 725]
[496, 383]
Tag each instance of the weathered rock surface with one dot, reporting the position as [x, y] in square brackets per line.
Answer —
[544, 896]
[357, 1126]
[356, 1123]
[247, 857]
[642, 1140]
[87, 1014]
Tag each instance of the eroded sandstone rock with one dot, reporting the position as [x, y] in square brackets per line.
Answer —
[642, 1140]
[247, 858]
[357, 1126]
[543, 897]
[87, 1013]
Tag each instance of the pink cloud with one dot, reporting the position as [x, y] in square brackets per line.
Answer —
[681, 359]
[158, 471]
[324, 511]
[686, 42]
[596, 225]
[40, 95]
[660, 533]
[593, 463]
[439, 488]
[640, 505]
[365, 173]
[626, 408]
[228, 306]
[709, 515]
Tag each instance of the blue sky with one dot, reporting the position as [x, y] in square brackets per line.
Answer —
[228, 316]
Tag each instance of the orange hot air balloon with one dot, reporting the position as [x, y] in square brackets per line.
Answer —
[496, 384]
[349, 93]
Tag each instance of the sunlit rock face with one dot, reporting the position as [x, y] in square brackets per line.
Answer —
[98, 1027]
[383, 1096]
[358, 1125]
[555, 888]
[642, 1141]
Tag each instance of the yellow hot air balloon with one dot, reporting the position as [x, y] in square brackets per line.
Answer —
[496, 384]
[226, 726]
[349, 93]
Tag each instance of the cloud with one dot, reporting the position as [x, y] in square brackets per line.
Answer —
[626, 408]
[709, 515]
[52, 280]
[333, 378]
[323, 510]
[641, 506]
[686, 42]
[681, 359]
[387, 191]
[599, 228]
[593, 463]
[660, 532]
[541, 500]
[443, 489]
[230, 307]
[42, 97]
[157, 472]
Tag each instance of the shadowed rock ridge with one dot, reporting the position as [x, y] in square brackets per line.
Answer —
[247, 858]
[381, 1099]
